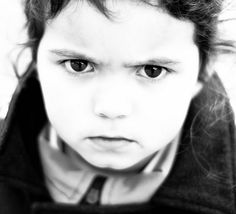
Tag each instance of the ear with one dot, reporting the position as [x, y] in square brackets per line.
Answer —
[197, 88]
[23, 61]
[209, 70]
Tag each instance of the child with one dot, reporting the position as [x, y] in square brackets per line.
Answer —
[119, 112]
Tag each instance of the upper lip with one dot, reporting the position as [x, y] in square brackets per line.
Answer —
[115, 138]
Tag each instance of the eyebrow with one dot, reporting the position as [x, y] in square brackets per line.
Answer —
[154, 61]
[76, 55]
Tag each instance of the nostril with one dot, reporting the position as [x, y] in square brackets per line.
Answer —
[111, 116]
[121, 116]
[102, 115]
[106, 108]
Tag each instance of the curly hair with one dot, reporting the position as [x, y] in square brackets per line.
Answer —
[203, 13]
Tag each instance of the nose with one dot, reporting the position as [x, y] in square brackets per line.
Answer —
[109, 109]
[112, 105]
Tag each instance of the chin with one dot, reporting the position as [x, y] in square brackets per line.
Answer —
[117, 167]
[111, 167]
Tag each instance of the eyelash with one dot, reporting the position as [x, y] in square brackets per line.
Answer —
[158, 78]
[63, 63]
[138, 68]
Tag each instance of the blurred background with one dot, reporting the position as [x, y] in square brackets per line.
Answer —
[13, 35]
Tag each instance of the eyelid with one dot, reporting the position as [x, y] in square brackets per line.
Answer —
[167, 69]
[138, 66]
[61, 61]
[163, 62]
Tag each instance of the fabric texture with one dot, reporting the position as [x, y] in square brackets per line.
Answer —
[202, 179]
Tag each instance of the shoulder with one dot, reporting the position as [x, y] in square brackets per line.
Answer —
[204, 173]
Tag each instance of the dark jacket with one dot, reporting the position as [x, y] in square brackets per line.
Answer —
[202, 179]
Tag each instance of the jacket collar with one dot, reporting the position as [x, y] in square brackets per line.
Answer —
[203, 175]
[19, 158]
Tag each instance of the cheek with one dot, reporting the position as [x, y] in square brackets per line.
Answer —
[70, 116]
[162, 115]
[67, 104]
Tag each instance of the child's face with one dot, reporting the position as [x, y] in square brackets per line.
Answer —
[103, 80]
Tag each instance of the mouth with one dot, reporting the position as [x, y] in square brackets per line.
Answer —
[110, 143]
[105, 138]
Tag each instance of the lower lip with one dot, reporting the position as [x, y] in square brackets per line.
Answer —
[109, 145]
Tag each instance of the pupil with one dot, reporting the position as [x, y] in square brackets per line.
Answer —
[78, 65]
[152, 71]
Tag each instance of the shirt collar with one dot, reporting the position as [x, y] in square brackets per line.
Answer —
[68, 178]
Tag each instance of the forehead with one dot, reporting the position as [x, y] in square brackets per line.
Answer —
[143, 27]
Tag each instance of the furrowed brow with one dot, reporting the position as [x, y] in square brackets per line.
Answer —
[70, 54]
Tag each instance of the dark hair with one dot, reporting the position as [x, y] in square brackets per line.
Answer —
[203, 13]
[209, 110]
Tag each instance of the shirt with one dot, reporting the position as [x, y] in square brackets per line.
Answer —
[68, 178]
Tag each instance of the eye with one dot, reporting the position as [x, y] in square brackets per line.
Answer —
[153, 71]
[78, 66]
